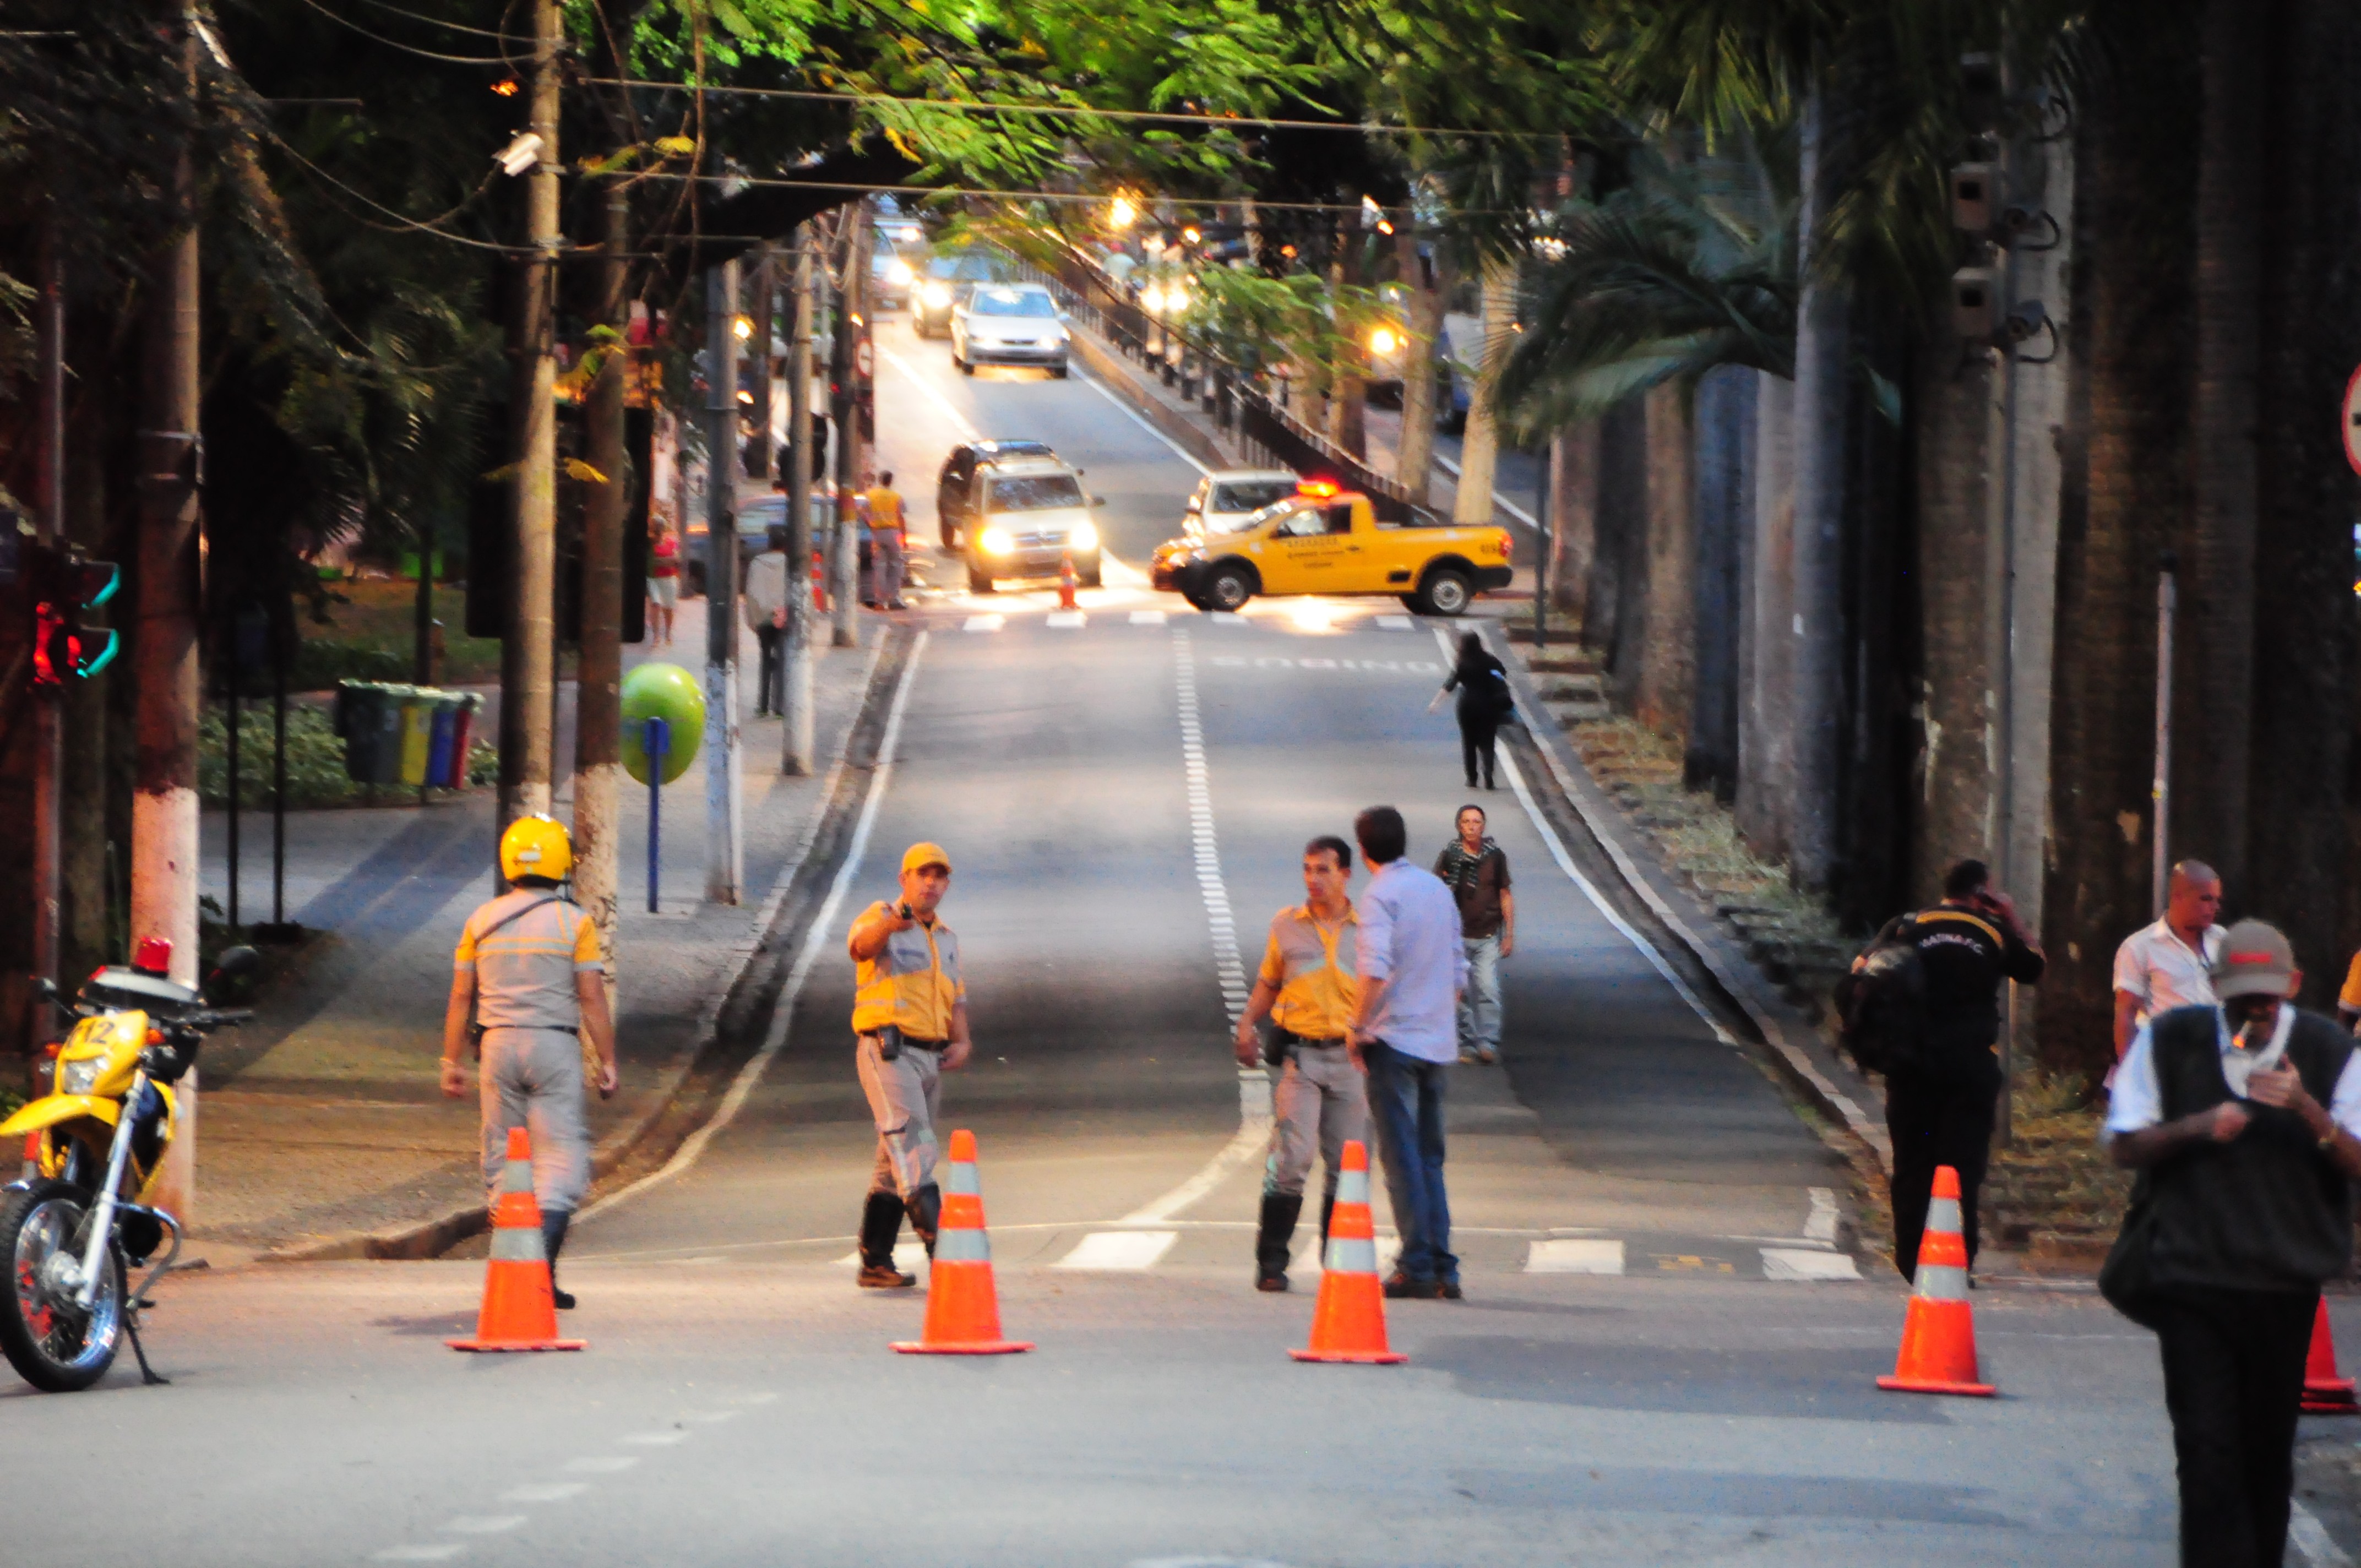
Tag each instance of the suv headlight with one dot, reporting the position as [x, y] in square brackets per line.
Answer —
[939, 293]
[1083, 537]
[996, 541]
[80, 1077]
[898, 271]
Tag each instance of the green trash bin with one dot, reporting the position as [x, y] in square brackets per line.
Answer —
[361, 706]
[387, 759]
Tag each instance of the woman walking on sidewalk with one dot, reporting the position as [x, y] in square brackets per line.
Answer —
[1485, 702]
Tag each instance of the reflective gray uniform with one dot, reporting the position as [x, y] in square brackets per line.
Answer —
[532, 1076]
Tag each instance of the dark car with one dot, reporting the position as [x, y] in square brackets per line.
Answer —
[955, 485]
[948, 278]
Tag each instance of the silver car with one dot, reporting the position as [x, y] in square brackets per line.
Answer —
[1028, 516]
[1009, 324]
[1226, 498]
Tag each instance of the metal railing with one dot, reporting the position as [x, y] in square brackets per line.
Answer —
[1241, 402]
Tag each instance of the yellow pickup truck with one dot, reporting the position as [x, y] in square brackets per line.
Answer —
[1323, 541]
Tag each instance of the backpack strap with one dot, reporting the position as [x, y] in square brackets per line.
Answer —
[1963, 917]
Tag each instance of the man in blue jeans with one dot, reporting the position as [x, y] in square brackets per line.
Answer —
[1412, 966]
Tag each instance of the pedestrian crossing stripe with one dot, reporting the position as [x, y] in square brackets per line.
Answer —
[1066, 620]
[985, 623]
[1397, 623]
[1806, 1263]
[1575, 1255]
[1147, 618]
[1119, 1250]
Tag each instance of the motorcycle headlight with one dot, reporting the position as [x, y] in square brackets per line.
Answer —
[939, 293]
[1083, 537]
[996, 541]
[80, 1077]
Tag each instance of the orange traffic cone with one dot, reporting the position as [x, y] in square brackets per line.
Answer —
[1938, 1337]
[32, 1156]
[2324, 1393]
[1348, 1321]
[1067, 581]
[518, 1313]
[963, 1305]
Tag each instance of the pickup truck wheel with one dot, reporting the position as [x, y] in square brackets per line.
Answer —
[1445, 592]
[1228, 588]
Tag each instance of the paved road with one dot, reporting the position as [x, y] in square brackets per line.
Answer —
[1637, 1377]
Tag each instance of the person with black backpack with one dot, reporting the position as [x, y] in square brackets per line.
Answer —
[1922, 1006]
[1485, 703]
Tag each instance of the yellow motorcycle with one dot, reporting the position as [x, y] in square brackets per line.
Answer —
[76, 1224]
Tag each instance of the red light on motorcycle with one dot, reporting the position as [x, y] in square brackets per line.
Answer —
[155, 1037]
[50, 1052]
[153, 956]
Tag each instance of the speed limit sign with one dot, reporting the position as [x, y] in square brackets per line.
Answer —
[2353, 422]
[864, 361]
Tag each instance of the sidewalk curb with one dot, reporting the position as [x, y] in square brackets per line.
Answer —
[433, 1237]
[1797, 1052]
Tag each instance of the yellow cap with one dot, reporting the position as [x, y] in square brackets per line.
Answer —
[918, 856]
[536, 846]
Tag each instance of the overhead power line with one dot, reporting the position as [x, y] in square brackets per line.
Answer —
[1086, 198]
[1075, 111]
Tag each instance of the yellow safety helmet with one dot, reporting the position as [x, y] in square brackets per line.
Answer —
[536, 846]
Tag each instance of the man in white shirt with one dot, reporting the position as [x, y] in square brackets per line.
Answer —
[766, 616]
[2169, 964]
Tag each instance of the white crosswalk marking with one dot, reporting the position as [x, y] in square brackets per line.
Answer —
[1576, 1254]
[909, 1256]
[1821, 1224]
[1147, 618]
[1226, 618]
[1807, 1264]
[1066, 620]
[1397, 623]
[985, 623]
[1119, 1250]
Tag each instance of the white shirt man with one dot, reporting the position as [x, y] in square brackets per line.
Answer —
[2169, 964]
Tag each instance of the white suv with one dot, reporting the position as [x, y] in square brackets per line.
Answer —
[1226, 498]
[1024, 517]
[1008, 324]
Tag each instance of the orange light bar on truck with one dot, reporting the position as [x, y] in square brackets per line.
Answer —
[1320, 489]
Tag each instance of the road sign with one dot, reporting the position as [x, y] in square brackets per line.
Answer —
[864, 359]
[2353, 422]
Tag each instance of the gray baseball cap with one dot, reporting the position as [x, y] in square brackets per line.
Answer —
[2255, 961]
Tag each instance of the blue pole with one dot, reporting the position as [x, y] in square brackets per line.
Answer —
[656, 740]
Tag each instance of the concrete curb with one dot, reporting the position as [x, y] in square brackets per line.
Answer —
[1110, 368]
[1802, 1057]
[433, 1237]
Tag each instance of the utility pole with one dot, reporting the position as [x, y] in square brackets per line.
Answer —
[598, 687]
[529, 652]
[764, 291]
[164, 651]
[851, 318]
[795, 738]
[724, 855]
[49, 525]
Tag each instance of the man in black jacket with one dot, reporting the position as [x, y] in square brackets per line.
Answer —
[2240, 1119]
[1940, 1102]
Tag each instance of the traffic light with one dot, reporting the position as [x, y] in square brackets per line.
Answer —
[69, 585]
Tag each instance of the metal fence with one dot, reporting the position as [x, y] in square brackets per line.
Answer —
[1240, 402]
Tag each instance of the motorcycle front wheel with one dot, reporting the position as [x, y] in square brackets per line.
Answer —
[51, 1341]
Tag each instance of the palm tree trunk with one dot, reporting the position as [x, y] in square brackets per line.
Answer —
[1423, 325]
[2213, 718]
[1615, 619]
[1668, 647]
[1479, 451]
[1821, 337]
[1724, 418]
[1574, 535]
[2128, 426]
[1766, 610]
[2302, 855]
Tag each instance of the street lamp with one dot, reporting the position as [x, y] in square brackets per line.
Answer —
[1384, 340]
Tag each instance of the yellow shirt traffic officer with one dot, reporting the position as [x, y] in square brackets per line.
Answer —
[909, 1023]
[1319, 1095]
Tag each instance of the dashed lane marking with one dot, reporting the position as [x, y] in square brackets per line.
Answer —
[1806, 1263]
[1397, 623]
[601, 1464]
[1821, 1225]
[1119, 1250]
[1066, 620]
[653, 1439]
[443, 1554]
[483, 1524]
[1279, 661]
[880, 778]
[1147, 618]
[545, 1492]
[984, 623]
[1582, 1255]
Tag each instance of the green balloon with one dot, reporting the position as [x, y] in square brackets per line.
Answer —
[669, 693]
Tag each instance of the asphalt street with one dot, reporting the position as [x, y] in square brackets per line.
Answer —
[1666, 1353]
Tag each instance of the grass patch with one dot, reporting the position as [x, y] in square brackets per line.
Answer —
[370, 637]
[316, 763]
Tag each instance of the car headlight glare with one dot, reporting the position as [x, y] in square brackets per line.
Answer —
[898, 271]
[79, 1077]
[939, 293]
[1083, 537]
[996, 541]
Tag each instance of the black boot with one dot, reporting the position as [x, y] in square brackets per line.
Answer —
[1279, 1211]
[926, 1211]
[881, 1226]
[552, 1242]
[1327, 1209]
